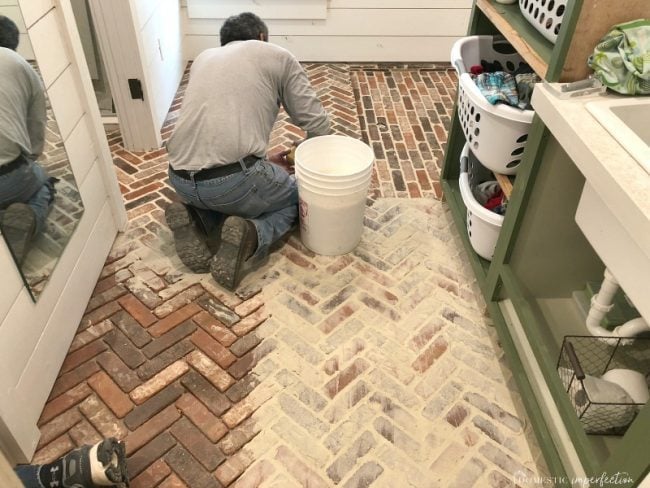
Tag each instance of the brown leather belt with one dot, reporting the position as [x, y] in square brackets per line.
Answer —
[15, 164]
[217, 171]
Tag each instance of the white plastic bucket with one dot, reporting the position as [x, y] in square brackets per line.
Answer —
[333, 184]
[333, 175]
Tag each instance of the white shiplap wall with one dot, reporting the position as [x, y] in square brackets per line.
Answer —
[355, 30]
[159, 35]
[34, 337]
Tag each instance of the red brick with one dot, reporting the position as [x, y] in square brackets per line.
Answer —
[143, 191]
[189, 469]
[84, 433]
[166, 377]
[431, 353]
[54, 450]
[124, 348]
[151, 476]
[425, 334]
[209, 455]
[200, 416]
[154, 154]
[212, 398]
[456, 415]
[337, 318]
[166, 341]
[249, 360]
[250, 305]
[151, 428]
[90, 334]
[111, 394]
[215, 328]
[208, 368]
[124, 376]
[63, 402]
[138, 310]
[102, 313]
[150, 453]
[59, 425]
[239, 436]
[105, 284]
[172, 481]
[219, 354]
[140, 414]
[82, 355]
[105, 297]
[175, 303]
[102, 418]
[173, 319]
[414, 190]
[233, 467]
[345, 377]
[69, 380]
[251, 322]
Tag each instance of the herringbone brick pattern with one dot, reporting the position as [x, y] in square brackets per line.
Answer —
[376, 368]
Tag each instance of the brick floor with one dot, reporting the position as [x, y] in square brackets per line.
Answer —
[377, 368]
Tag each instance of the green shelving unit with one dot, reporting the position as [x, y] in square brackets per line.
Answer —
[541, 256]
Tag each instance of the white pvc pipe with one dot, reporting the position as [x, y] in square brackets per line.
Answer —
[632, 327]
[601, 303]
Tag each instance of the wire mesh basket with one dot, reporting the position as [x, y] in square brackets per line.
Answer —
[589, 367]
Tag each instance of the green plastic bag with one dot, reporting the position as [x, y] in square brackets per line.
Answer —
[621, 60]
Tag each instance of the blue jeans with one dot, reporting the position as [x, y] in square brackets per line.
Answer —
[265, 194]
[30, 184]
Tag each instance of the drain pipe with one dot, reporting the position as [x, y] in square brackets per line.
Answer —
[601, 303]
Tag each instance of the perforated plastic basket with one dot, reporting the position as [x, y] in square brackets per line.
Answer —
[544, 15]
[483, 225]
[496, 134]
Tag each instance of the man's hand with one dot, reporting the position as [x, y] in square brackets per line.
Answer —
[281, 159]
[285, 159]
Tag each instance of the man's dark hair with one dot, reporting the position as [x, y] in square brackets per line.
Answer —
[243, 27]
[9, 35]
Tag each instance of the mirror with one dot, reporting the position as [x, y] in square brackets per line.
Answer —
[40, 204]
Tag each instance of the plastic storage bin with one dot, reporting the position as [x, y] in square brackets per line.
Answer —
[585, 359]
[544, 15]
[483, 225]
[497, 133]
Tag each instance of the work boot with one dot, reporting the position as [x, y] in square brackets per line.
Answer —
[238, 243]
[19, 227]
[103, 464]
[190, 241]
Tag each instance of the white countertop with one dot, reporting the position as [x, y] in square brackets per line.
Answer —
[622, 184]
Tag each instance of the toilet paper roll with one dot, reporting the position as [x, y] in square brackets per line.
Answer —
[633, 382]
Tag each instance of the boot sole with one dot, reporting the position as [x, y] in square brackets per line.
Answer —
[236, 245]
[190, 245]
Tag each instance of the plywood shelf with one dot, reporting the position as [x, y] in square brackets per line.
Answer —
[505, 184]
[528, 42]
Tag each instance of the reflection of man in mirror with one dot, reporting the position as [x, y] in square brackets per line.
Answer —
[26, 190]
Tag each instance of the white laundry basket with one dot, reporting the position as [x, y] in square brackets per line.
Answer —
[545, 15]
[496, 134]
[483, 225]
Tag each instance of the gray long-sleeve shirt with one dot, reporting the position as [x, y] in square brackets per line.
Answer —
[232, 100]
[23, 114]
